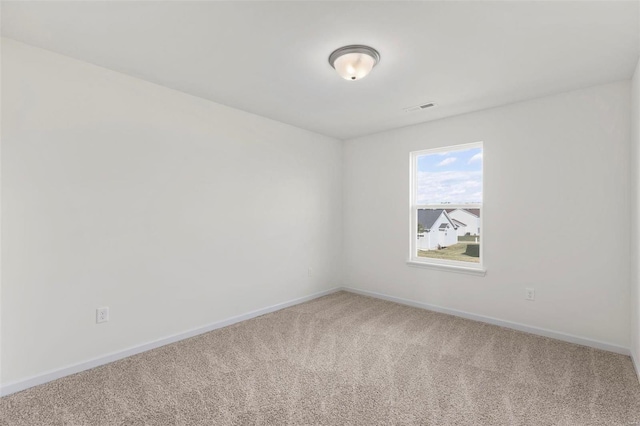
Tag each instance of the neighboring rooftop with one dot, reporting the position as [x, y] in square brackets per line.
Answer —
[475, 212]
[427, 217]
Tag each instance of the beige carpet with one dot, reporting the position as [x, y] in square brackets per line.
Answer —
[345, 359]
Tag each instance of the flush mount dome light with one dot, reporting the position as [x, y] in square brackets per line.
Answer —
[354, 62]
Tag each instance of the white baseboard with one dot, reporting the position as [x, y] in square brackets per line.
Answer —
[9, 388]
[636, 364]
[507, 324]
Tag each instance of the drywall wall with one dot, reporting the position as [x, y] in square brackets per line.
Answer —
[555, 168]
[173, 211]
[635, 218]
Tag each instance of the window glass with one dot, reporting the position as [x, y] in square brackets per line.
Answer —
[446, 205]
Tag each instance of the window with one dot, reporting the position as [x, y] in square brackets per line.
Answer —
[446, 208]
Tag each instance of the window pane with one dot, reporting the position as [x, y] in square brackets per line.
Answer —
[452, 177]
[450, 234]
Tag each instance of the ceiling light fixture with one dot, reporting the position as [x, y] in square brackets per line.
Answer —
[354, 62]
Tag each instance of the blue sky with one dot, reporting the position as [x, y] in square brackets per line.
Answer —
[450, 177]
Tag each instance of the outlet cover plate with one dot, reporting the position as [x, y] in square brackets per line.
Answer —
[529, 294]
[102, 315]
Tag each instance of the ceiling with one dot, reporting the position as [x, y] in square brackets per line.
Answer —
[270, 58]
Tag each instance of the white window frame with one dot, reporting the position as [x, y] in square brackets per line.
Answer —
[442, 264]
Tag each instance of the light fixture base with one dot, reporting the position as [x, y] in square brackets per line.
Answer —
[354, 48]
[355, 61]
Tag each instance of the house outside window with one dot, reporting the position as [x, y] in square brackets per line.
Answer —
[446, 207]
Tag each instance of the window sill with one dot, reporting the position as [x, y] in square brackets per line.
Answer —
[481, 272]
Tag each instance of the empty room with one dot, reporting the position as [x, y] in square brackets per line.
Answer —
[320, 213]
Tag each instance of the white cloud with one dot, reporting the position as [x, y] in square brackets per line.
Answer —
[457, 187]
[446, 161]
[477, 157]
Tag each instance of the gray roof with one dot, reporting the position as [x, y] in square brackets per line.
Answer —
[427, 217]
[475, 212]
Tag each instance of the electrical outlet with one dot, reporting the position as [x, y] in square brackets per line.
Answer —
[102, 315]
[529, 294]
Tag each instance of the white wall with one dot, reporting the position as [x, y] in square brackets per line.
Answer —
[635, 218]
[173, 211]
[559, 162]
[120, 193]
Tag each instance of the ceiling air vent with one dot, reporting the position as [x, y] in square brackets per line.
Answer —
[420, 107]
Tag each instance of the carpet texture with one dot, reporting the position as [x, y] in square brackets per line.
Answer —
[345, 359]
